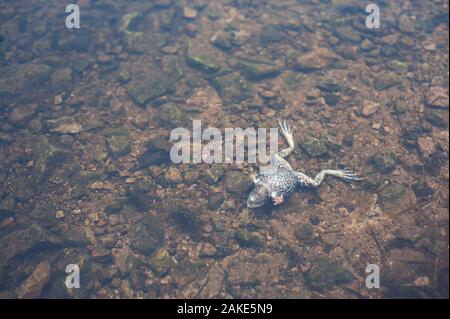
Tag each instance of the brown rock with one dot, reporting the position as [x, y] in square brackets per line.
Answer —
[369, 108]
[33, 285]
[426, 145]
[21, 114]
[244, 269]
[314, 60]
[437, 97]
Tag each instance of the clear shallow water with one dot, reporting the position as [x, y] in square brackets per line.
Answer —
[86, 113]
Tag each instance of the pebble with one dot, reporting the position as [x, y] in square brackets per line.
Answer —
[59, 214]
[437, 97]
[369, 108]
[426, 145]
[189, 13]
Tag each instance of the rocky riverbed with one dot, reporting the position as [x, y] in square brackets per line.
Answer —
[86, 178]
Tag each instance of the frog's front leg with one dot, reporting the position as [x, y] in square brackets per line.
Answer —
[277, 198]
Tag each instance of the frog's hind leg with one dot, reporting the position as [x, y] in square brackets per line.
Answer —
[345, 174]
[286, 131]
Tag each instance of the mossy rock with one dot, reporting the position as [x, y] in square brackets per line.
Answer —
[231, 87]
[254, 68]
[119, 145]
[326, 273]
[315, 147]
[161, 262]
[172, 115]
[384, 162]
[392, 193]
[201, 58]
[386, 80]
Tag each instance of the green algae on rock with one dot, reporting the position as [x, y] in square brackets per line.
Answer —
[315, 147]
[326, 273]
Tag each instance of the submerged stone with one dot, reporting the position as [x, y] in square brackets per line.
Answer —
[148, 84]
[147, 235]
[386, 80]
[172, 115]
[161, 262]
[119, 145]
[384, 162]
[314, 147]
[21, 114]
[46, 158]
[314, 60]
[326, 273]
[255, 68]
[64, 125]
[237, 183]
[202, 58]
[231, 87]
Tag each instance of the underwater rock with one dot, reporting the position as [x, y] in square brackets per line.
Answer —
[46, 158]
[386, 80]
[243, 268]
[119, 145]
[61, 79]
[148, 84]
[147, 235]
[213, 283]
[437, 117]
[161, 262]
[64, 125]
[403, 267]
[33, 285]
[215, 200]
[16, 78]
[314, 147]
[326, 273]
[214, 173]
[20, 115]
[329, 84]
[172, 67]
[384, 161]
[207, 250]
[348, 34]
[172, 115]
[304, 232]
[256, 68]
[247, 238]
[437, 97]
[223, 40]
[423, 190]
[202, 58]
[231, 87]
[392, 193]
[406, 24]
[314, 60]
[138, 198]
[271, 33]
[237, 183]
[20, 241]
[426, 145]
[124, 260]
[158, 152]
[185, 218]
[369, 108]
[173, 176]
[115, 205]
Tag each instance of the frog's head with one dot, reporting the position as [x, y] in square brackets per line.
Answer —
[258, 196]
